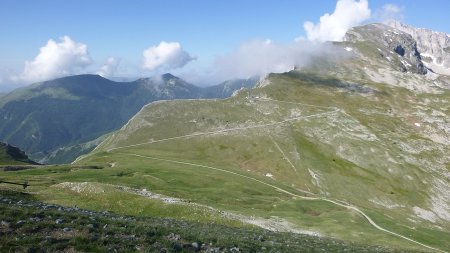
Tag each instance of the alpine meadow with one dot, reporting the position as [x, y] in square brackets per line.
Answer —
[336, 141]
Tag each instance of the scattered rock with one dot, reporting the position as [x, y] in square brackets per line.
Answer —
[20, 222]
[59, 221]
[67, 230]
[35, 219]
[212, 250]
[173, 237]
[234, 249]
[5, 224]
[196, 246]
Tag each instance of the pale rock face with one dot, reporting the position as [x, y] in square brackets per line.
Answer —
[393, 40]
[433, 46]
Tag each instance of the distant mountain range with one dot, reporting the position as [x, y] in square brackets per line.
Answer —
[56, 121]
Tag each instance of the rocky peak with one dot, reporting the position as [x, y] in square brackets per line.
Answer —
[164, 80]
[168, 86]
[167, 76]
[434, 47]
[390, 39]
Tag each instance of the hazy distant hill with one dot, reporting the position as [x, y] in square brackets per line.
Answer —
[45, 118]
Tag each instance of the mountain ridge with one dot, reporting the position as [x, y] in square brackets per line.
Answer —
[47, 116]
[367, 131]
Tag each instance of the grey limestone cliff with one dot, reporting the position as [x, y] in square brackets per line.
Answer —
[433, 46]
[392, 39]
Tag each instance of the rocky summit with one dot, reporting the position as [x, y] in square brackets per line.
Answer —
[397, 41]
[434, 46]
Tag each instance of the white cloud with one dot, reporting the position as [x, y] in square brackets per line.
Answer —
[165, 56]
[389, 12]
[260, 57]
[56, 59]
[109, 68]
[332, 27]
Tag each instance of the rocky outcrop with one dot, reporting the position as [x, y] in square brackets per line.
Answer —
[388, 38]
[433, 46]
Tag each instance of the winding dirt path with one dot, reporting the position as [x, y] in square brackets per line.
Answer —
[226, 130]
[336, 202]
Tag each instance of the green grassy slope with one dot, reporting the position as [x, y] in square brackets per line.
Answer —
[47, 118]
[248, 142]
[347, 148]
[236, 155]
[10, 155]
[350, 151]
[28, 225]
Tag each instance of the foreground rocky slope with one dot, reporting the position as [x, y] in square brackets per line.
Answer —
[28, 225]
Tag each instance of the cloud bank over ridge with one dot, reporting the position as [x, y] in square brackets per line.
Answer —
[250, 58]
[109, 68]
[259, 57]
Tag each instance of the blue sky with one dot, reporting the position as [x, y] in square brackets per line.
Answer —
[203, 30]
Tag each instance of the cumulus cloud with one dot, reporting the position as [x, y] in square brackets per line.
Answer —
[109, 68]
[56, 59]
[332, 27]
[165, 56]
[389, 12]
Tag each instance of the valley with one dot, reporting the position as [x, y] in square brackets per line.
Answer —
[347, 153]
[59, 120]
